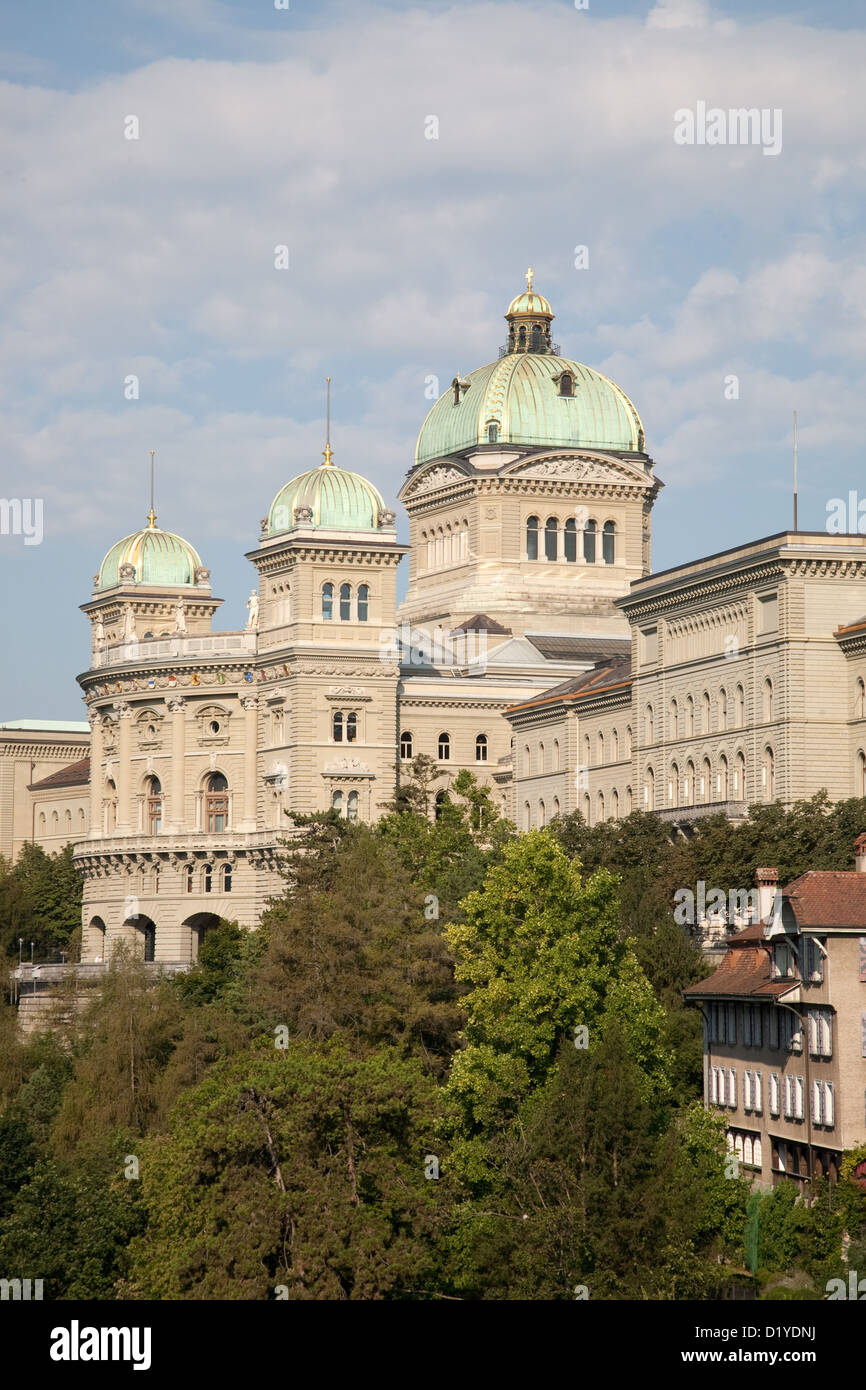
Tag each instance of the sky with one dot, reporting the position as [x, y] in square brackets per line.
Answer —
[722, 284]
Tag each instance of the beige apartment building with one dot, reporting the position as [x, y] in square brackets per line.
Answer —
[785, 1027]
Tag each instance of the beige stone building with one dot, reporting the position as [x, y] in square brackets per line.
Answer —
[32, 750]
[746, 682]
[534, 646]
[785, 1027]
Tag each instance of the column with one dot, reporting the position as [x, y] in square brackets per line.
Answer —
[251, 739]
[96, 773]
[176, 819]
[124, 809]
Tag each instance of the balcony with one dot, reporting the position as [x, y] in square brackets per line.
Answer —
[148, 649]
[687, 815]
[184, 842]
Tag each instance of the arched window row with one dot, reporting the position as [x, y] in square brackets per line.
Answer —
[564, 541]
[443, 747]
[345, 602]
[446, 545]
[210, 878]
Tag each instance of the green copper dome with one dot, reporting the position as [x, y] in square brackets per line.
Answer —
[158, 556]
[531, 397]
[335, 498]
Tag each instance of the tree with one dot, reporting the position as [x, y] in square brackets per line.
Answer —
[296, 1173]
[543, 958]
[361, 955]
[40, 900]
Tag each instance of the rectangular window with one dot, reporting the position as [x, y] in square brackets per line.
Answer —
[814, 961]
[732, 1024]
[732, 1088]
[757, 1097]
[823, 1103]
[774, 1028]
[774, 1093]
[799, 1097]
[820, 1036]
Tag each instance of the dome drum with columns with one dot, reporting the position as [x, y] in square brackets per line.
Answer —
[529, 505]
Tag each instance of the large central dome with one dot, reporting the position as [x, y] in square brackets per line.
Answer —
[531, 397]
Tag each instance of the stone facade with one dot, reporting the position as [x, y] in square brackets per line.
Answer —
[747, 683]
[31, 750]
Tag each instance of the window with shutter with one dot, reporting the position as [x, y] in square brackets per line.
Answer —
[799, 1098]
[758, 1097]
[732, 1023]
[732, 1088]
[774, 1028]
[774, 1094]
[816, 1102]
[829, 1104]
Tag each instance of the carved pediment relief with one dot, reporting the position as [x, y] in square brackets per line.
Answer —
[441, 476]
[587, 469]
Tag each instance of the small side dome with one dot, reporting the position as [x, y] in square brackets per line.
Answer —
[331, 498]
[152, 556]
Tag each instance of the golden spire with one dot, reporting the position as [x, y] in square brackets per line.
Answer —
[151, 516]
[329, 453]
[529, 274]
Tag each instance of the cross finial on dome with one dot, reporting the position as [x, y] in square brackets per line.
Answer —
[529, 274]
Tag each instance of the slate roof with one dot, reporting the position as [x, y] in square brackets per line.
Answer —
[559, 646]
[482, 622]
[74, 775]
[604, 676]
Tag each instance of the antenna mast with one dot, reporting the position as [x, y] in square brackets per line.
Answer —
[151, 518]
[795, 470]
[328, 450]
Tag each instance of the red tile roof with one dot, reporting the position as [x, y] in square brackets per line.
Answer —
[74, 775]
[828, 898]
[606, 675]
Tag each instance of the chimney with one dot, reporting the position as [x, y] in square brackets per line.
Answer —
[860, 854]
[768, 881]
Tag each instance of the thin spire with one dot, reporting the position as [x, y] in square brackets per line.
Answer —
[328, 451]
[151, 516]
[795, 470]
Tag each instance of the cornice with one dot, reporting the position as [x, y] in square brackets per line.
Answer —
[680, 593]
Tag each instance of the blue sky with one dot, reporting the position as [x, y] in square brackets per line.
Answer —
[306, 128]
